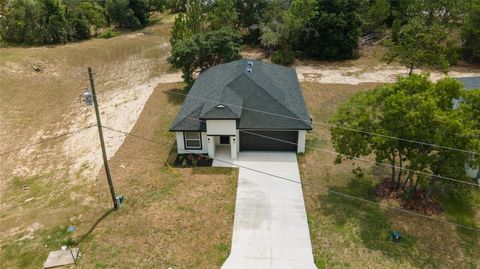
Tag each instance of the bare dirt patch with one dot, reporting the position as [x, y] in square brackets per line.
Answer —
[385, 190]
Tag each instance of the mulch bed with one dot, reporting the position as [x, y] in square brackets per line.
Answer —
[384, 190]
[192, 160]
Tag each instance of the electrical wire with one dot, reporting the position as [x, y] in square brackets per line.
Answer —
[352, 157]
[330, 125]
[304, 184]
[48, 139]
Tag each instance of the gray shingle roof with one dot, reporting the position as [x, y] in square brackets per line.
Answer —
[470, 82]
[267, 98]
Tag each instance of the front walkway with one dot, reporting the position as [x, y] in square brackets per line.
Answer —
[270, 229]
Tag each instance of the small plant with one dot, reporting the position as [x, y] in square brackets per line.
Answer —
[283, 57]
[109, 33]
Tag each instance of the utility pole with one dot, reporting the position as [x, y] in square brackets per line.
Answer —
[102, 143]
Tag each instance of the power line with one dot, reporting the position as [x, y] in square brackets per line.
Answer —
[304, 184]
[367, 160]
[48, 139]
[332, 125]
[353, 157]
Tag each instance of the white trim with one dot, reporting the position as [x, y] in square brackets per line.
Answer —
[181, 146]
[301, 141]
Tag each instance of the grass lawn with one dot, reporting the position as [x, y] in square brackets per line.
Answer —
[181, 218]
[348, 233]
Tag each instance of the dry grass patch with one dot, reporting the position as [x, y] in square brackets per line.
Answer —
[181, 218]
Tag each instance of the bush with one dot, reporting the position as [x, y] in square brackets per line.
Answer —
[283, 57]
[108, 34]
[453, 52]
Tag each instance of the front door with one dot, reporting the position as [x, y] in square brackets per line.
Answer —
[224, 140]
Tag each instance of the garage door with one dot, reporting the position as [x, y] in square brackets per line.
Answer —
[268, 140]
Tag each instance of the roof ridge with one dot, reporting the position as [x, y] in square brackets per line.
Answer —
[273, 97]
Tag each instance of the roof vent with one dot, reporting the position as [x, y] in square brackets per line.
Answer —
[249, 70]
[220, 106]
[250, 63]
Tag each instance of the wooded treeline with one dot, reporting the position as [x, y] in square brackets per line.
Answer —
[433, 33]
[60, 21]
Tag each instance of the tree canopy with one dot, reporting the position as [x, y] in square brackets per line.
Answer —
[200, 40]
[59, 21]
[205, 49]
[413, 109]
[333, 33]
[471, 34]
[419, 45]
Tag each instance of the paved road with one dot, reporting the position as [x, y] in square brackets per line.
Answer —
[270, 229]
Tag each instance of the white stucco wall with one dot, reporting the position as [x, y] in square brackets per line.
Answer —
[211, 146]
[221, 127]
[181, 144]
[301, 141]
[471, 172]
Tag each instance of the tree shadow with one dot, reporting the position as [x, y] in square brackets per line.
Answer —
[459, 204]
[374, 228]
[176, 96]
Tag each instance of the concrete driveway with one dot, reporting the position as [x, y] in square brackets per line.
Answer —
[270, 230]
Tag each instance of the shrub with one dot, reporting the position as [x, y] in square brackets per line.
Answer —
[283, 57]
[453, 52]
[109, 33]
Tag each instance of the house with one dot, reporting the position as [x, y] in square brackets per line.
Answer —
[469, 83]
[244, 105]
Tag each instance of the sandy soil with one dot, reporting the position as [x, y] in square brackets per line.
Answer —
[355, 75]
[120, 110]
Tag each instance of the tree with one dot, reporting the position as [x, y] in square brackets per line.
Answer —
[419, 45]
[176, 6]
[35, 22]
[430, 12]
[396, 26]
[375, 14]
[413, 109]
[223, 14]
[128, 13]
[333, 33]
[250, 13]
[471, 34]
[56, 23]
[82, 17]
[283, 26]
[205, 49]
[185, 25]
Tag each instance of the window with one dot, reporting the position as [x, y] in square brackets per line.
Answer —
[193, 140]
